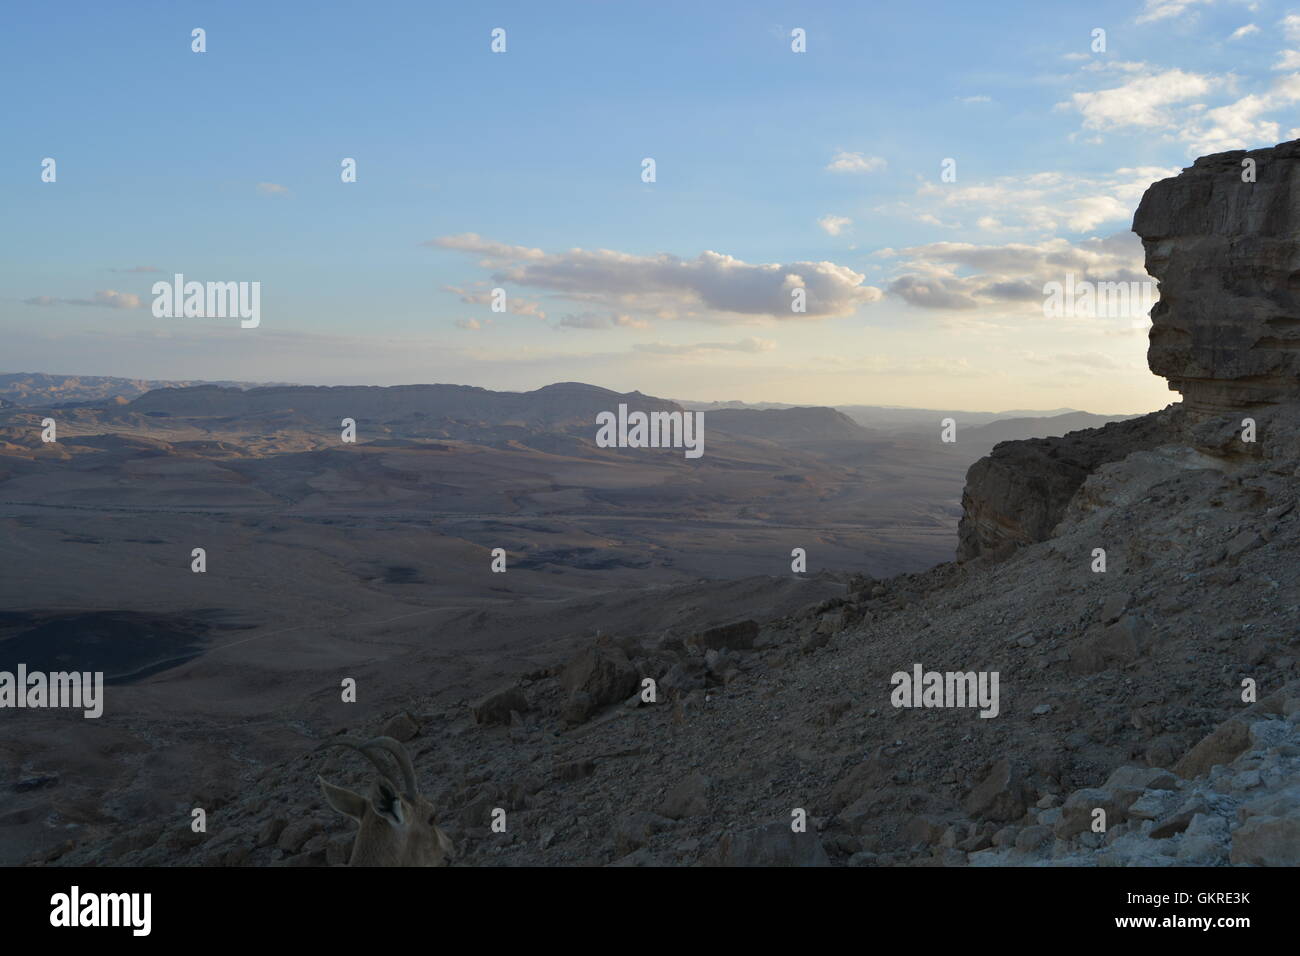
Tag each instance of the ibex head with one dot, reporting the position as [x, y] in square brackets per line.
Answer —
[395, 824]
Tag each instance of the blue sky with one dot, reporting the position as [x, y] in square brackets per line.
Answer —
[522, 170]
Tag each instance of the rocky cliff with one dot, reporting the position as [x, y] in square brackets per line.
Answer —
[1017, 494]
[1225, 333]
[1226, 253]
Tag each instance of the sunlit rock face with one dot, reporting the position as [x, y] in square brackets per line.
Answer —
[1226, 253]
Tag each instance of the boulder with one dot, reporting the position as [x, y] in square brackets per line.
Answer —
[601, 672]
[736, 636]
[774, 844]
[1001, 796]
[1112, 646]
[1078, 812]
[1221, 746]
[1268, 841]
[495, 707]
[402, 727]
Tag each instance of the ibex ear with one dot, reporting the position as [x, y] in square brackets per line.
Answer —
[387, 803]
[344, 801]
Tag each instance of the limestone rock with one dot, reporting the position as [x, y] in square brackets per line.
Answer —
[1268, 841]
[1219, 747]
[1000, 797]
[401, 727]
[1226, 331]
[495, 708]
[772, 845]
[736, 636]
[1077, 814]
[603, 673]
[1018, 494]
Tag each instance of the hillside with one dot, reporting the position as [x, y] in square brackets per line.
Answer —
[1119, 689]
[1124, 602]
[786, 424]
[1053, 426]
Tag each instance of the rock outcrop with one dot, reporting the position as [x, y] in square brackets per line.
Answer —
[1226, 252]
[1017, 494]
[1225, 333]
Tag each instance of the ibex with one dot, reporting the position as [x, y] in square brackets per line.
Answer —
[395, 824]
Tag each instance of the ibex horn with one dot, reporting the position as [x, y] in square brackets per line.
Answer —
[394, 749]
[399, 754]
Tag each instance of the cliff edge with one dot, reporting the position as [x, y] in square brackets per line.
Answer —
[1221, 241]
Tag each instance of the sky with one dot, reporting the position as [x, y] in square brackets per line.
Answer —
[917, 174]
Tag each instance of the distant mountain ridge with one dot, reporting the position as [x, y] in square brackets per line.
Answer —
[553, 406]
[1051, 426]
[43, 389]
[785, 424]
[899, 417]
[562, 405]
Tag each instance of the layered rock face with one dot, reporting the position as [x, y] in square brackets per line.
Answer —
[1226, 331]
[1017, 494]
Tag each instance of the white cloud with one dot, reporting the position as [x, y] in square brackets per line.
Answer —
[834, 225]
[105, 298]
[1287, 60]
[1142, 101]
[272, 189]
[668, 285]
[1245, 31]
[516, 305]
[600, 320]
[1042, 202]
[1165, 9]
[1241, 124]
[843, 162]
[962, 276]
[490, 250]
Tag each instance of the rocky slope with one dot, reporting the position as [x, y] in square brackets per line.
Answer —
[1120, 690]
[1017, 494]
[1149, 707]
